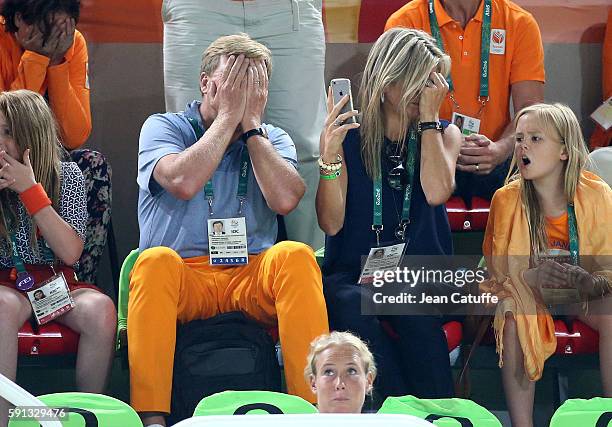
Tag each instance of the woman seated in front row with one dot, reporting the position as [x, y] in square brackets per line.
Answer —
[340, 370]
[404, 155]
[548, 237]
[42, 227]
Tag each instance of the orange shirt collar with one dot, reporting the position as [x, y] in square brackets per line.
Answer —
[444, 18]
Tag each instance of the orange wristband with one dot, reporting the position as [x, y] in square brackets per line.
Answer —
[34, 199]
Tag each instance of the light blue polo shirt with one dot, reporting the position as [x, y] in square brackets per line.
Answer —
[181, 224]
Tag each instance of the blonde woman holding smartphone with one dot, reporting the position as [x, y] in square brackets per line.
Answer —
[383, 183]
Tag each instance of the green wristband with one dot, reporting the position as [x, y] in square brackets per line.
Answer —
[331, 176]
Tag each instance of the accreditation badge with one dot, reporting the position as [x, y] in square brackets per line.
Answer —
[468, 125]
[382, 258]
[555, 295]
[227, 241]
[51, 299]
[498, 41]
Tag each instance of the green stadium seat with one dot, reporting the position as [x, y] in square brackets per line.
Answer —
[122, 300]
[87, 409]
[441, 412]
[252, 402]
[596, 412]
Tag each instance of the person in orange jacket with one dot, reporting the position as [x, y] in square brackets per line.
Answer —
[41, 50]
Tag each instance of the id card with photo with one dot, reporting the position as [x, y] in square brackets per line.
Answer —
[468, 125]
[51, 299]
[383, 258]
[227, 241]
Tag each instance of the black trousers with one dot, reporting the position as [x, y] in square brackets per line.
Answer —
[417, 363]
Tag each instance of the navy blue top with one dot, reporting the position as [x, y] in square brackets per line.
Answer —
[428, 232]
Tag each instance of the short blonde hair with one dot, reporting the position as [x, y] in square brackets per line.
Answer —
[235, 44]
[339, 339]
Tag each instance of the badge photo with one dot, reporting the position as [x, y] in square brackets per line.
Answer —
[466, 124]
[498, 41]
[227, 238]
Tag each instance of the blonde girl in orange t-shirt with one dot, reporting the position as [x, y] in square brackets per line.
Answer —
[534, 214]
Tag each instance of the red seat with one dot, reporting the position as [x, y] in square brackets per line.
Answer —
[453, 331]
[454, 334]
[373, 16]
[580, 340]
[562, 334]
[479, 213]
[457, 214]
[51, 339]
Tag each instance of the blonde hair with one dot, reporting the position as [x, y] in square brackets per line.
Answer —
[32, 126]
[560, 122]
[338, 339]
[400, 56]
[235, 44]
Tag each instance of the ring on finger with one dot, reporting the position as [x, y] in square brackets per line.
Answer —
[338, 123]
[477, 167]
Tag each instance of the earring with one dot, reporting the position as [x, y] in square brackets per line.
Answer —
[382, 98]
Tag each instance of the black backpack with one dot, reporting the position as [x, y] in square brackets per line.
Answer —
[225, 352]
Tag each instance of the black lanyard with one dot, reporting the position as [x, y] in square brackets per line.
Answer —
[243, 178]
[377, 223]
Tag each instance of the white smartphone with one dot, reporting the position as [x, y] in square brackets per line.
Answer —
[341, 87]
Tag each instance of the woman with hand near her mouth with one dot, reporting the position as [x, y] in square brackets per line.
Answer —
[340, 369]
[547, 230]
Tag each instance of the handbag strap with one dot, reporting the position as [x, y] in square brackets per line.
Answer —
[485, 321]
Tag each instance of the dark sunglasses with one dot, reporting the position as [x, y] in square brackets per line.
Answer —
[397, 176]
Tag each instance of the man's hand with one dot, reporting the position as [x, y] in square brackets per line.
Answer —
[64, 38]
[480, 155]
[229, 93]
[59, 41]
[256, 94]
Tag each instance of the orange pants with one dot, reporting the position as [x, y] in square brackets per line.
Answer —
[279, 286]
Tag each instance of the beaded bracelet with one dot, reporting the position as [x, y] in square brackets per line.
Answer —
[331, 167]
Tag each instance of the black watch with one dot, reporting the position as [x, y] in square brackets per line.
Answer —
[423, 126]
[261, 131]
